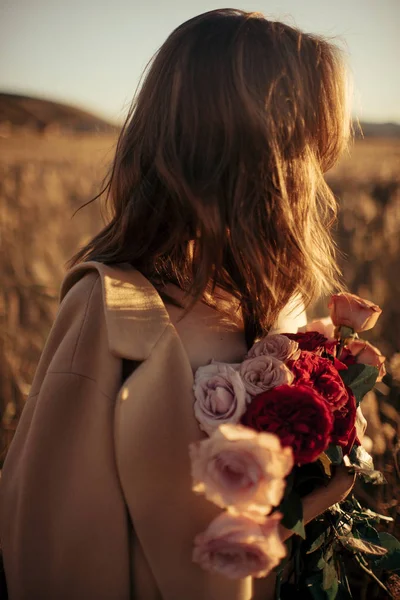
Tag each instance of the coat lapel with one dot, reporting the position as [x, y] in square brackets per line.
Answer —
[135, 314]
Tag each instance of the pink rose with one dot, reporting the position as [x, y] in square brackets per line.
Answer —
[276, 345]
[366, 354]
[264, 372]
[354, 312]
[238, 547]
[324, 326]
[220, 396]
[240, 469]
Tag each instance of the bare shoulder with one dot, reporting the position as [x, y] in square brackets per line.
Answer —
[208, 334]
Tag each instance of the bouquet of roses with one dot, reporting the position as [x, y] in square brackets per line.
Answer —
[278, 423]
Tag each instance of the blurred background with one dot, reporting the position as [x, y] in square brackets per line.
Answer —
[68, 72]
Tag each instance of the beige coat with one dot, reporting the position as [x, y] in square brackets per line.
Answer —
[90, 458]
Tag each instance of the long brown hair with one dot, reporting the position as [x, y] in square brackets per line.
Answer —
[224, 149]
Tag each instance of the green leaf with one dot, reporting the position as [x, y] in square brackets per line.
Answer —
[389, 541]
[331, 593]
[346, 332]
[326, 464]
[315, 584]
[391, 561]
[329, 576]
[360, 379]
[359, 457]
[315, 561]
[374, 477]
[359, 545]
[366, 532]
[335, 454]
[292, 509]
[361, 462]
[317, 543]
[317, 533]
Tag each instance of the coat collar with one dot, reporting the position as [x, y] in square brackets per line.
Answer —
[135, 314]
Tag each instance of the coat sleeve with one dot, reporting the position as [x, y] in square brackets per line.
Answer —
[63, 519]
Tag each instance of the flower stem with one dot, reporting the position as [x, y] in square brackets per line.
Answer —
[373, 576]
[343, 334]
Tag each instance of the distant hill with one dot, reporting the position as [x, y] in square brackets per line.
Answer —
[18, 112]
[381, 130]
[37, 115]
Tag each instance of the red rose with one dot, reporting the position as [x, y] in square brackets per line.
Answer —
[344, 425]
[320, 373]
[340, 366]
[347, 358]
[330, 347]
[298, 415]
[311, 341]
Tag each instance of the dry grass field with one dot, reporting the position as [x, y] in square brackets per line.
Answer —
[367, 186]
[42, 182]
[44, 179]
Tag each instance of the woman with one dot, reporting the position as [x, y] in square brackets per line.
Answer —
[219, 203]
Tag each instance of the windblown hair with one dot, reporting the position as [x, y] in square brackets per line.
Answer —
[218, 178]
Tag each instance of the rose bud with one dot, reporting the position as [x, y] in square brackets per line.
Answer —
[238, 547]
[366, 354]
[354, 312]
[241, 469]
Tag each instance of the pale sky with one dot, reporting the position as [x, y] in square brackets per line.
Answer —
[91, 53]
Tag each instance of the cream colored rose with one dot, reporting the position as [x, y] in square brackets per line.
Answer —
[238, 547]
[220, 396]
[354, 312]
[264, 372]
[367, 354]
[276, 345]
[240, 469]
[324, 326]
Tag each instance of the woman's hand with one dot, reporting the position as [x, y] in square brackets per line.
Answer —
[323, 498]
[339, 486]
[337, 489]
